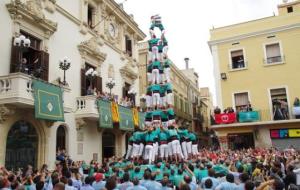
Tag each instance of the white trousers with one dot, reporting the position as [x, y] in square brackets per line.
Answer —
[163, 150]
[148, 152]
[129, 152]
[149, 77]
[176, 147]
[155, 55]
[170, 152]
[141, 149]
[156, 99]
[189, 147]
[135, 150]
[170, 98]
[167, 74]
[194, 149]
[155, 76]
[165, 50]
[163, 101]
[184, 151]
[148, 101]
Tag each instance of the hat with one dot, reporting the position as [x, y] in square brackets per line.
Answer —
[99, 177]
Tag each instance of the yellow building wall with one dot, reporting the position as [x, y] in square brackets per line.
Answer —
[258, 77]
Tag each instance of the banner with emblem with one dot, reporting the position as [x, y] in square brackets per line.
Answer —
[225, 118]
[115, 112]
[48, 101]
[142, 120]
[294, 132]
[135, 117]
[105, 115]
[126, 121]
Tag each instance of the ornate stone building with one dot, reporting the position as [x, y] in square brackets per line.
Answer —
[95, 34]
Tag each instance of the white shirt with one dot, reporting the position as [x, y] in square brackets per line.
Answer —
[297, 172]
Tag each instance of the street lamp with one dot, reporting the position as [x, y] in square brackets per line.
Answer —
[64, 65]
[132, 94]
[110, 84]
[22, 43]
[91, 74]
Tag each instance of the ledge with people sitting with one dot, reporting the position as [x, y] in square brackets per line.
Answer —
[229, 115]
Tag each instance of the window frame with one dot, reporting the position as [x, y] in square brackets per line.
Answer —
[287, 97]
[265, 53]
[230, 59]
[239, 92]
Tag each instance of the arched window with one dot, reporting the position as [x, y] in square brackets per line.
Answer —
[21, 146]
[61, 138]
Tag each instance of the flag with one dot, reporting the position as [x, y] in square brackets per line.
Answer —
[225, 118]
[105, 114]
[135, 117]
[126, 121]
[115, 112]
[48, 101]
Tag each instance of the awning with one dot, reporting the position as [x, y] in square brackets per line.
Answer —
[105, 115]
[48, 101]
[126, 120]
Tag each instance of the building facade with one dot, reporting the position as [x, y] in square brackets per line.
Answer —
[257, 63]
[97, 35]
[186, 92]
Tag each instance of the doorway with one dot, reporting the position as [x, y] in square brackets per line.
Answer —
[240, 141]
[108, 145]
[21, 146]
[61, 138]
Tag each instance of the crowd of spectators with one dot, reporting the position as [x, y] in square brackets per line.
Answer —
[247, 169]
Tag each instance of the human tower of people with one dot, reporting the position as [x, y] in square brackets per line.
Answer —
[162, 137]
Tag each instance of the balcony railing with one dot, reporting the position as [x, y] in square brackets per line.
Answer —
[256, 116]
[273, 60]
[16, 89]
[87, 107]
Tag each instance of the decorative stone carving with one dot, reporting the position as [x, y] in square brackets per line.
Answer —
[5, 112]
[91, 48]
[50, 5]
[128, 74]
[80, 123]
[111, 72]
[31, 11]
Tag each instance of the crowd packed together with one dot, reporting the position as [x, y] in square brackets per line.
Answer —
[248, 169]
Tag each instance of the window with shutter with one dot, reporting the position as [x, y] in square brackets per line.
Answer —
[83, 82]
[237, 59]
[241, 100]
[15, 58]
[280, 106]
[99, 84]
[273, 53]
[128, 45]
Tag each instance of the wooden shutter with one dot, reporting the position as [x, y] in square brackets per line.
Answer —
[15, 57]
[83, 82]
[45, 65]
[99, 84]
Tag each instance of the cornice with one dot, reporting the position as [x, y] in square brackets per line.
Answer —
[253, 34]
[31, 11]
[90, 47]
[127, 72]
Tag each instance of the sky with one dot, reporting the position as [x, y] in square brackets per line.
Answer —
[187, 24]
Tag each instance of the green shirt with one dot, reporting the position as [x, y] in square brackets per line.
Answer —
[156, 64]
[170, 112]
[155, 87]
[192, 137]
[178, 179]
[164, 116]
[156, 113]
[163, 136]
[183, 133]
[148, 115]
[167, 63]
[168, 86]
[149, 137]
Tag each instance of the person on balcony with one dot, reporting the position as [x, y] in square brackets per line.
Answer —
[296, 105]
[217, 110]
[248, 107]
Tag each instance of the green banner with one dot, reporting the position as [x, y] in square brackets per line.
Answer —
[105, 119]
[142, 120]
[126, 121]
[48, 101]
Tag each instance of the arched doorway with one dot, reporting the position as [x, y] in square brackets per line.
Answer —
[61, 138]
[108, 145]
[21, 146]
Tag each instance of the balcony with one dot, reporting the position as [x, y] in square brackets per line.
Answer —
[258, 117]
[87, 108]
[16, 89]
